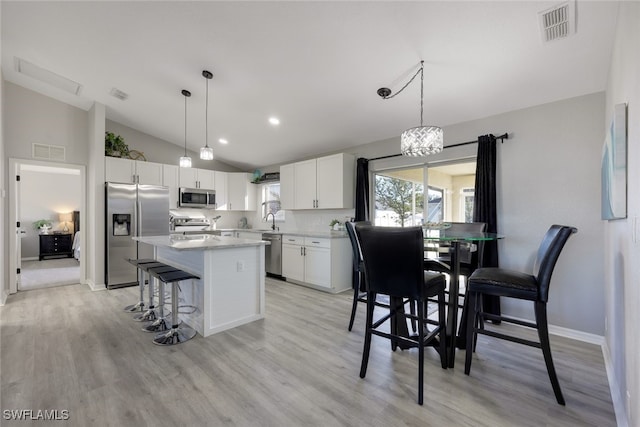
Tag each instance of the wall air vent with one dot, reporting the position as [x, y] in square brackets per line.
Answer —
[117, 93]
[558, 22]
[48, 152]
[28, 69]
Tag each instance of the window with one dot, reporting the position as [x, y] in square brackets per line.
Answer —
[435, 203]
[467, 195]
[415, 195]
[399, 197]
[271, 201]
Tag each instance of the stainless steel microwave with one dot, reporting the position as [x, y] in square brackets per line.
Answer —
[197, 198]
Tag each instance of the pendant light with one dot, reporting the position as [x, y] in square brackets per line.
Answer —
[206, 152]
[185, 161]
[422, 140]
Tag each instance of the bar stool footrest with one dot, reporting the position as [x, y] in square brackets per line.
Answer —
[175, 336]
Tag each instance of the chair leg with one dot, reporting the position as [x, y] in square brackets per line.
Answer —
[421, 323]
[543, 334]
[356, 292]
[412, 310]
[371, 298]
[442, 317]
[471, 331]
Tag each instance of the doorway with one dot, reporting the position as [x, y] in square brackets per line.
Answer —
[54, 194]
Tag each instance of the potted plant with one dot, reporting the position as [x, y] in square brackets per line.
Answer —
[335, 224]
[42, 224]
[114, 145]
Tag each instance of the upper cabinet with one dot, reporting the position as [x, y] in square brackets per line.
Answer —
[170, 178]
[234, 191]
[322, 183]
[132, 171]
[221, 190]
[241, 194]
[287, 180]
[197, 178]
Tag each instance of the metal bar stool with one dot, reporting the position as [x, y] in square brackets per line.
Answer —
[177, 334]
[150, 314]
[160, 324]
[139, 306]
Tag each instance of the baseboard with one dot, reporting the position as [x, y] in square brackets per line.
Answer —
[3, 297]
[569, 333]
[32, 258]
[576, 335]
[94, 287]
[617, 399]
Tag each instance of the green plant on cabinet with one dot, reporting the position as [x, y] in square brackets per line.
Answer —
[114, 145]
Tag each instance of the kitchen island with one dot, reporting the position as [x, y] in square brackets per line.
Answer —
[230, 291]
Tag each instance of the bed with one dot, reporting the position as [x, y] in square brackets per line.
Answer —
[76, 235]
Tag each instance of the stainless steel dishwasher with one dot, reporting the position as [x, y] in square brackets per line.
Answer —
[273, 253]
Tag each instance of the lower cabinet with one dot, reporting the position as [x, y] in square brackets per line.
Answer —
[320, 263]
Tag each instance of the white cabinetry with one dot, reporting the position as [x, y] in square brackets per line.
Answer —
[132, 171]
[320, 263]
[221, 190]
[322, 183]
[197, 178]
[287, 180]
[241, 194]
[305, 179]
[170, 178]
[293, 257]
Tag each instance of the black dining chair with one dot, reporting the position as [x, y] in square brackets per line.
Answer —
[393, 266]
[359, 290]
[514, 284]
[469, 252]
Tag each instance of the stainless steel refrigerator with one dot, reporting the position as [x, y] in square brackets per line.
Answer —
[132, 210]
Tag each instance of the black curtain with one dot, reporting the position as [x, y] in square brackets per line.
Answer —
[362, 190]
[484, 207]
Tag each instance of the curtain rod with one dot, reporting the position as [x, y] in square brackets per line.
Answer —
[501, 138]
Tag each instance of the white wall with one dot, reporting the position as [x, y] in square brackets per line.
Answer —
[161, 151]
[34, 118]
[622, 269]
[4, 223]
[44, 195]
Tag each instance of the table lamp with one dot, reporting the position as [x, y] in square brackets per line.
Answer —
[65, 218]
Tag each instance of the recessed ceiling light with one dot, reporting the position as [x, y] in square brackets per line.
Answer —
[223, 141]
[274, 121]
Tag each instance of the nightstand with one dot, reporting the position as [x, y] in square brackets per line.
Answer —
[55, 246]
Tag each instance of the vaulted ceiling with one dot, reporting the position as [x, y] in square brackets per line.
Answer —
[314, 65]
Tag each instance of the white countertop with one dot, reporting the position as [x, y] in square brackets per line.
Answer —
[198, 241]
[325, 234]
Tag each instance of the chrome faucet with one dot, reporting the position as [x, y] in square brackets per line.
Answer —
[266, 218]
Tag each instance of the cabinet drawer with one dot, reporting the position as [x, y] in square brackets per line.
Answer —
[317, 242]
[293, 240]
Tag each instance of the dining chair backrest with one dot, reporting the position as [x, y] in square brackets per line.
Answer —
[393, 259]
[548, 253]
[355, 245]
[467, 254]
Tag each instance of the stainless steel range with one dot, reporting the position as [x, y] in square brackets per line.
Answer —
[185, 222]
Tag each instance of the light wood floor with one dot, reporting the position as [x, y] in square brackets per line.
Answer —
[68, 348]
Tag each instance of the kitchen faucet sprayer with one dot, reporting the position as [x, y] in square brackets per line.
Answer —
[266, 218]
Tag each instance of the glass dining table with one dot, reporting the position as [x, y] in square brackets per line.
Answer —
[454, 239]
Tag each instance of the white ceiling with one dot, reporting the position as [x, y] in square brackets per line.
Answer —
[315, 65]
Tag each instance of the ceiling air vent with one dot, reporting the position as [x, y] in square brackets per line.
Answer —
[558, 22]
[117, 93]
[48, 152]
